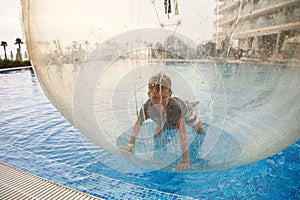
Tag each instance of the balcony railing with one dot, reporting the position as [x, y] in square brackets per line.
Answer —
[228, 6]
[259, 10]
[273, 29]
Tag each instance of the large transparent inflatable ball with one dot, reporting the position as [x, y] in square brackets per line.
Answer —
[94, 60]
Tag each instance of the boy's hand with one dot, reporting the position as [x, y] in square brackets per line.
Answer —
[127, 149]
[201, 129]
[183, 166]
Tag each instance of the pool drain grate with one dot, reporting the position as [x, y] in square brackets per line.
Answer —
[18, 184]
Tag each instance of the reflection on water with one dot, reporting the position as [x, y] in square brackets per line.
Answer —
[166, 150]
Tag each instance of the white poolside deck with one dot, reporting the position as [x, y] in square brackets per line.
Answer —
[18, 184]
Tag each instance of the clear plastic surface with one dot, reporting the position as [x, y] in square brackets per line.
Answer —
[94, 58]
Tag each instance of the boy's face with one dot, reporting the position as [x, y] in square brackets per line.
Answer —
[160, 97]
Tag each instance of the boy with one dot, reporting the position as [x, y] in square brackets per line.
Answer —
[168, 113]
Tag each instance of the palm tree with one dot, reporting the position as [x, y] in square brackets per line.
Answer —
[19, 54]
[4, 44]
[19, 42]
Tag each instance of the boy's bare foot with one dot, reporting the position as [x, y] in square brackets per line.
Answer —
[194, 103]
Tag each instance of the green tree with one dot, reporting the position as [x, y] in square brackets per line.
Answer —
[4, 44]
[210, 49]
[19, 42]
[19, 54]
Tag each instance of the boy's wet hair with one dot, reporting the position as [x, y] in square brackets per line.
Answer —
[159, 81]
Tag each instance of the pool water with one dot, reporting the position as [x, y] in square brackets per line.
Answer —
[35, 137]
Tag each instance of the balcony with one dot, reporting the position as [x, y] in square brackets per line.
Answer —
[221, 6]
[260, 10]
[220, 34]
[268, 30]
[229, 6]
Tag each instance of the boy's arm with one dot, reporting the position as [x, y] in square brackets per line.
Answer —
[184, 145]
[135, 131]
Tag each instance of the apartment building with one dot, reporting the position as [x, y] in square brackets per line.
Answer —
[259, 29]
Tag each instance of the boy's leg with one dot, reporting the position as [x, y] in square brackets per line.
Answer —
[199, 127]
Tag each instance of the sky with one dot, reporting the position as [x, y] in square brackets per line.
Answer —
[10, 25]
[98, 23]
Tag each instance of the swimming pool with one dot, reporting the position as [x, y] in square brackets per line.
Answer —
[36, 138]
